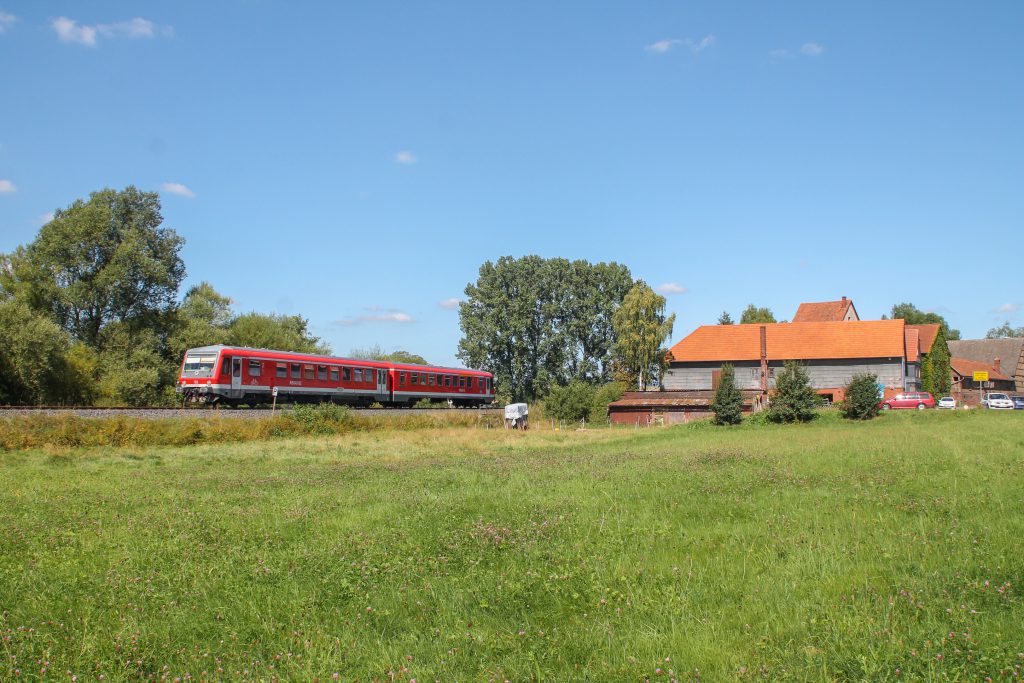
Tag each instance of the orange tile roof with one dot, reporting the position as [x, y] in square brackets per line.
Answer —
[966, 368]
[913, 338]
[928, 332]
[794, 341]
[822, 311]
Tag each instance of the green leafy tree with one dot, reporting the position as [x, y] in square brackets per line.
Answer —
[102, 261]
[130, 368]
[571, 403]
[725, 319]
[538, 322]
[1005, 330]
[936, 374]
[203, 319]
[641, 330]
[273, 331]
[793, 399]
[375, 352]
[913, 315]
[862, 399]
[752, 314]
[728, 403]
[33, 364]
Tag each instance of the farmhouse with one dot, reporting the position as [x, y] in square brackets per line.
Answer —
[1003, 356]
[826, 311]
[832, 353]
[963, 379]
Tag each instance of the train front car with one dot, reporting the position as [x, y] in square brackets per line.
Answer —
[200, 379]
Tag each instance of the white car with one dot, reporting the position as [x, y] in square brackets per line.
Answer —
[947, 403]
[998, 402]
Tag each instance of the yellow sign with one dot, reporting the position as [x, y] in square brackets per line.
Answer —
[980, 376]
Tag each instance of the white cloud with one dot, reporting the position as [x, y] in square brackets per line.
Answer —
[6, 21]
[663, 46]
[672, 288]
[780, 53]
[406, 157]
[70, 31]
[376, 315]
[812, 49]
[178, 189]
[449, 304]
[7, 187]
[1008, 308]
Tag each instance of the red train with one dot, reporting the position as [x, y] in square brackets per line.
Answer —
[234, 375]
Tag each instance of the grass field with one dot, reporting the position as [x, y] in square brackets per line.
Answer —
[890, 550]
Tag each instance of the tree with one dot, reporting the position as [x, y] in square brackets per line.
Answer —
[725, 318]
[936, 375]
[375, 352]
[752, 314]
[912, 315]
[98, 262]
[728, 403]
[793, 399]
[273, 331]
[641, 329]
[861, 401]
[1005, 330]
[571, 403]
[203, 319]
[33, 367]
[538, 322]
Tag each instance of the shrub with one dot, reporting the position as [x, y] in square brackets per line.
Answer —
[323, 418]
[571, 403]
[793, 399]
[861, 398]
[728, 403]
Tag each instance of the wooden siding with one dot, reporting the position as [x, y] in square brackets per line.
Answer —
[829, 374]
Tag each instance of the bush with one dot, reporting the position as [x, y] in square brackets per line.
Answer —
[793, 399]
[323, 418]
[571, 403]
[728, 403]
[861, 398]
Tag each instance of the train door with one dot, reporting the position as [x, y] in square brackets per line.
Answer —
[236, 377]
[382, 383]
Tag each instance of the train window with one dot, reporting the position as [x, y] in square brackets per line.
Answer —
[225, 368]
[308, 374]
[197, 365]
[255, 368]
[334, 374]
[401, 378]
[282, 369]
[357, 375]
[423, 378]
[368, 375]
[415, 378]
[430, 380]
[462, 382]
[321, 372]
[296, 371]
[447, 380]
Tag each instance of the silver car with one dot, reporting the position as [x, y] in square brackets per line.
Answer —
[998, 402]
[947, 403]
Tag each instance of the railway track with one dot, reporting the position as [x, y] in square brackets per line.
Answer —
[232, 413]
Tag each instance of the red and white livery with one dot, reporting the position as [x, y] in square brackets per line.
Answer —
[235, 375]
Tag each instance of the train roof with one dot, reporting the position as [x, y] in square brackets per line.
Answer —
[217, 348]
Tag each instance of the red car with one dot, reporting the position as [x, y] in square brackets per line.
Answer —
[918, 399]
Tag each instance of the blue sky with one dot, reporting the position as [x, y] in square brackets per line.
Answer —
[357, 162]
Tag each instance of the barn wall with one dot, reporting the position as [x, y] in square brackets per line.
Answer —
[824, 374]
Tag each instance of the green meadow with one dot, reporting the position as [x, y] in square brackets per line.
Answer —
[887, 550]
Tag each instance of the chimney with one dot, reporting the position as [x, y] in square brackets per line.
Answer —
[764, 360]
[844, 298]
[996, 362]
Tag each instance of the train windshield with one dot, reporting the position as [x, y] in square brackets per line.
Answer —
[199, 365]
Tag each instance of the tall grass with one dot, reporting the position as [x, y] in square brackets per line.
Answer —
[835, 551]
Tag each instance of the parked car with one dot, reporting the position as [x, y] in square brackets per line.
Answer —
[947, 403]
[1018, 402]
[998, 402]
[918, 400]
